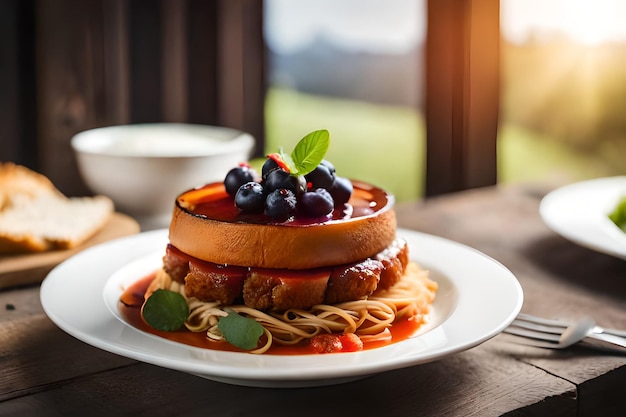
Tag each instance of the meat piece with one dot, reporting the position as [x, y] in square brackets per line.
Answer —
[257, 290]
[175, 263]
[331, 343]
[211, 282]
[273, 289]
[394, 260]
[353, 282]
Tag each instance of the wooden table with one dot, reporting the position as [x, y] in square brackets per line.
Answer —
[47, 372]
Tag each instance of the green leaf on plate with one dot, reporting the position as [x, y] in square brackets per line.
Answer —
[242, 332]
[165, 310]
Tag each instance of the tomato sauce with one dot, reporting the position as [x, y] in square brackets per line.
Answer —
[130, 308]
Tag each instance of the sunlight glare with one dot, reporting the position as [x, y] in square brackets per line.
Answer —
[588, 22]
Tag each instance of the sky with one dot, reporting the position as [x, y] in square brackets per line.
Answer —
[369, 25]
[397, 25]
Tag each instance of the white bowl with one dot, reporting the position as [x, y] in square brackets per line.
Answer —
[143, 167]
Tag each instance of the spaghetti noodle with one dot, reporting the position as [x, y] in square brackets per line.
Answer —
[370, 319]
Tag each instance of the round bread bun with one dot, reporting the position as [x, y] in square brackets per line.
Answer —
[287, 246]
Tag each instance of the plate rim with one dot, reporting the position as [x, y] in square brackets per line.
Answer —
[558, 198]
[325, 372]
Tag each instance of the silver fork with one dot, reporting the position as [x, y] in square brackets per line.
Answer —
[535, 331]
[558, 334]
[561, 323]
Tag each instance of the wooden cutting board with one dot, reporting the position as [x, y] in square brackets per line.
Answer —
[23, 269]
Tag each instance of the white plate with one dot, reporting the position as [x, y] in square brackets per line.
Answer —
[477, 299]
[579, 213]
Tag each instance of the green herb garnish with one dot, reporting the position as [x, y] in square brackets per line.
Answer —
[239, 331]
[308, 153]
[165, 310]
[618, 215]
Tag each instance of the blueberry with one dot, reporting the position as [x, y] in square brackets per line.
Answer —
[321, 177]
[237, 177]
[341, 191]
[280, 178]
[269, 166]
[280, 204]
[328, 165]
[317, 203]
[250, 197]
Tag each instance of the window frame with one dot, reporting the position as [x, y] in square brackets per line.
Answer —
[462, 94]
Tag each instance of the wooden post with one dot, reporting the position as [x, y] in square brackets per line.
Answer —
[462, 94]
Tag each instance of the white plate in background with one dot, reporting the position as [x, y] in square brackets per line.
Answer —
[579, 212]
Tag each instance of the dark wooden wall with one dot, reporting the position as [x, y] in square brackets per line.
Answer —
[71, 65]
[17, 81]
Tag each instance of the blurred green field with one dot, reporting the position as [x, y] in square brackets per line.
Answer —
[525, 156]
[385, 145]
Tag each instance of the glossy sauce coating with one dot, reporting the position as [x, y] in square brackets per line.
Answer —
[132, 299]
[212, 201]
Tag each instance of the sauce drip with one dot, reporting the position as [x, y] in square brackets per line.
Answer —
[130, 308]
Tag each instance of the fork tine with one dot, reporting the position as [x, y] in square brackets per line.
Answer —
[541, 320]
[544, 332]
[558, 330]
[520, 340]
[532, 334]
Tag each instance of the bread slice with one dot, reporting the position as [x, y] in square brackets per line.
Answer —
[17, 181]
[35, 216]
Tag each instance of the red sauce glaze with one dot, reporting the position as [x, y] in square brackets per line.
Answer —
[132, 299]
[212, 201]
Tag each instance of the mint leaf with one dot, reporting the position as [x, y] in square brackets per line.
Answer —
[286, 159]
[310, 151]
[165, 310]
[242, 332]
